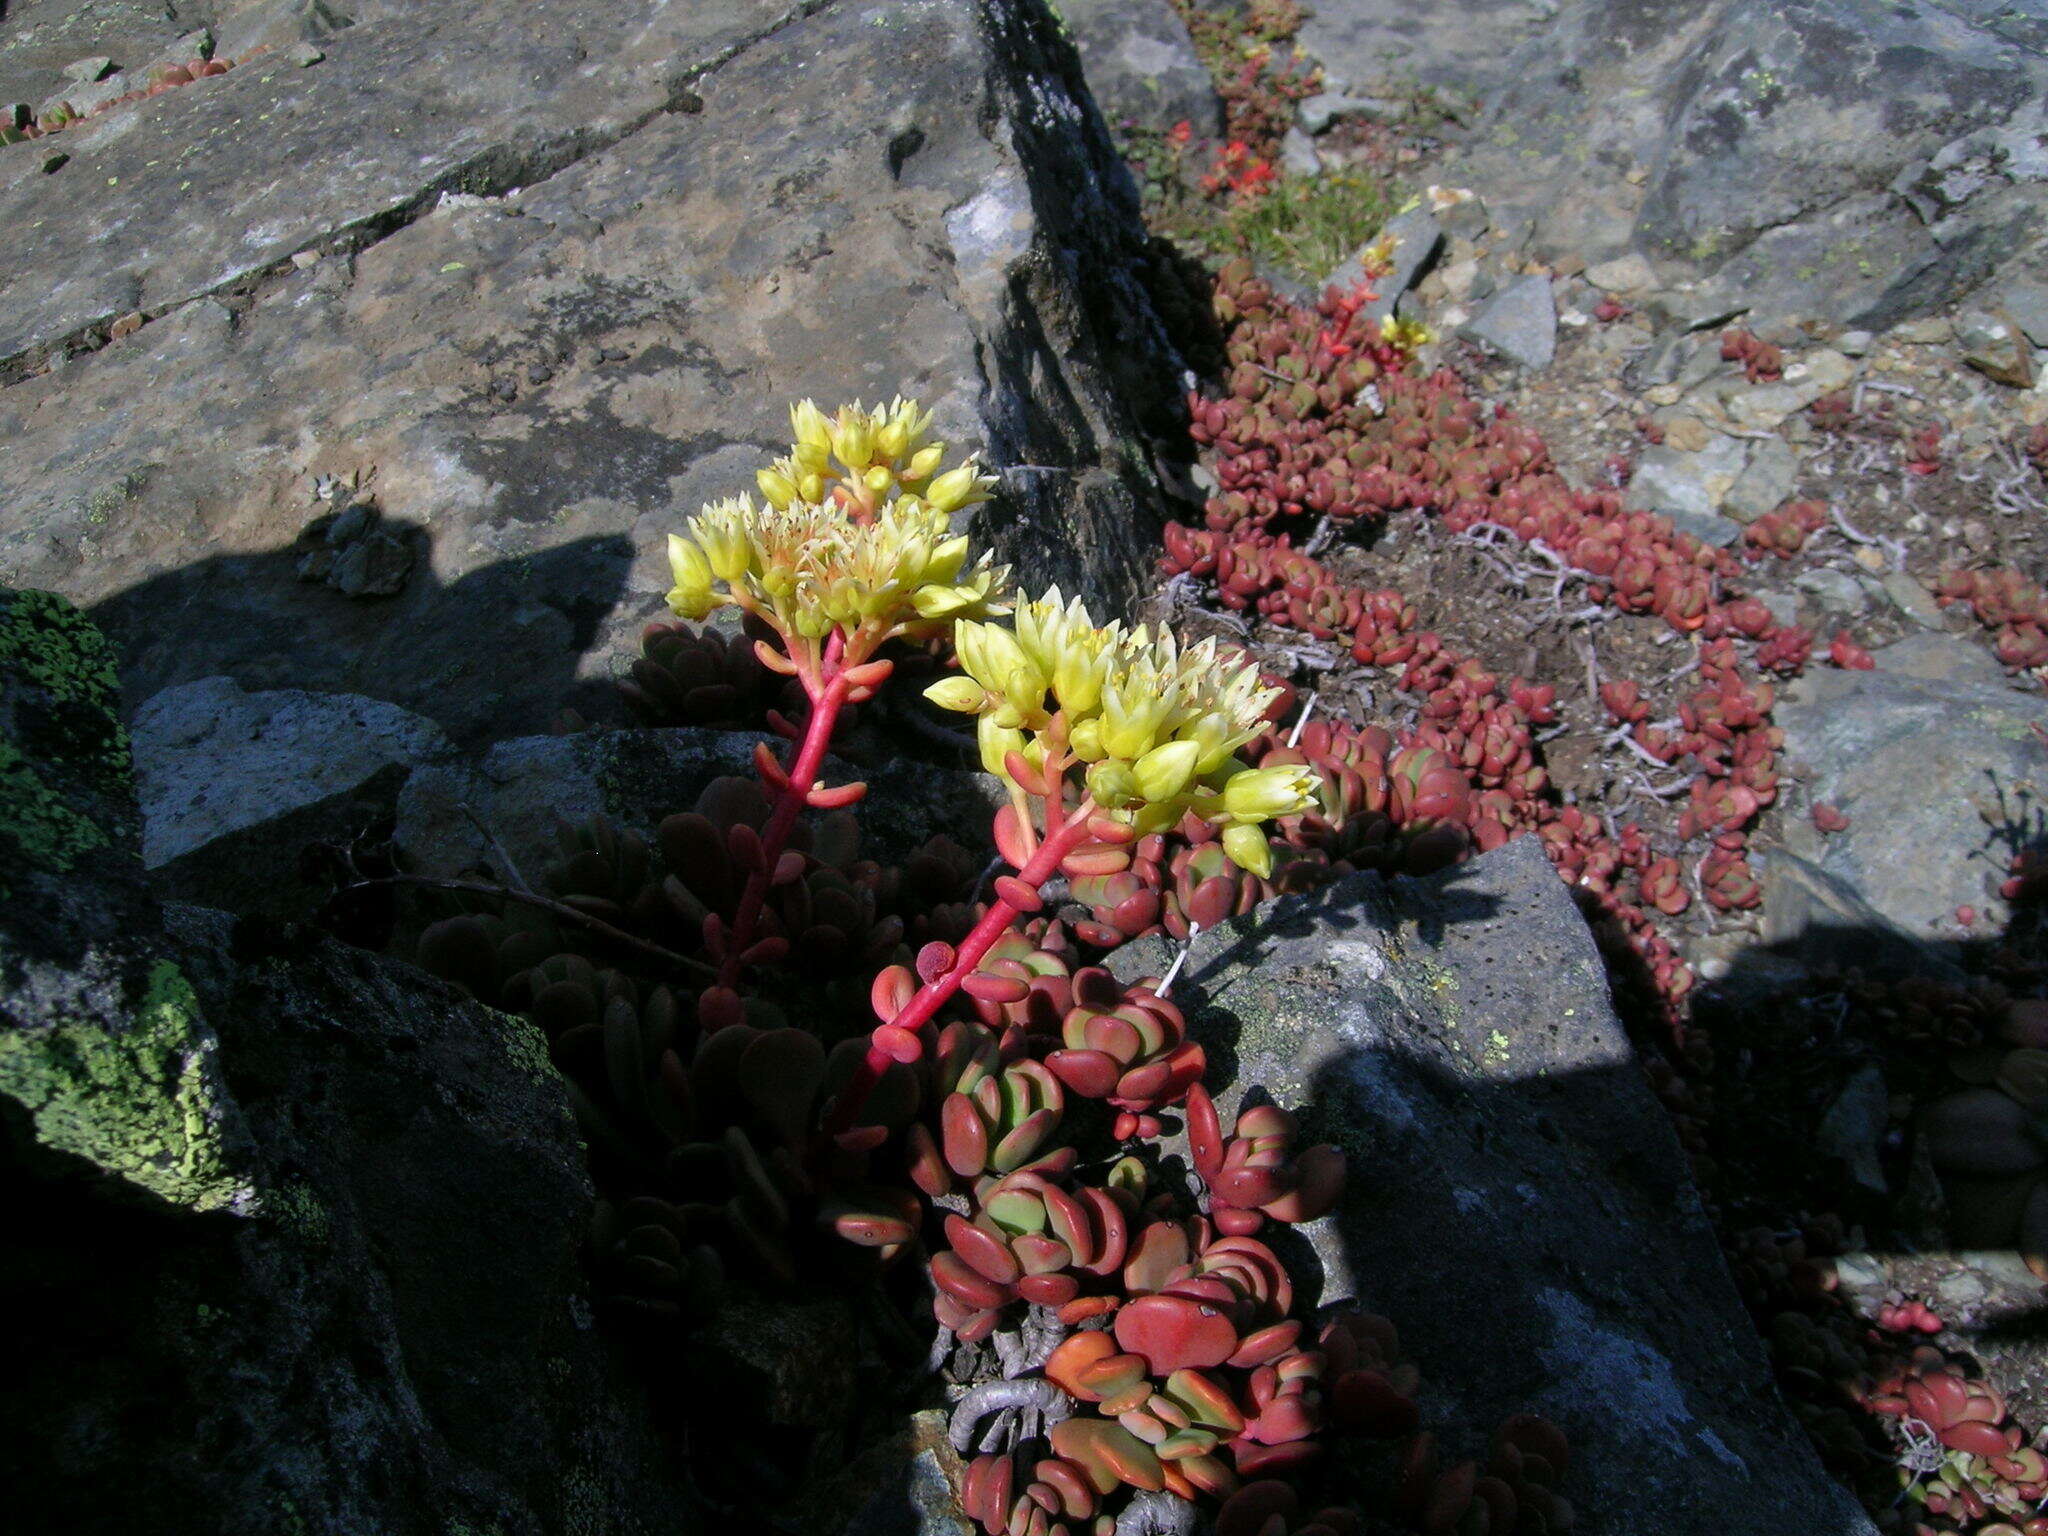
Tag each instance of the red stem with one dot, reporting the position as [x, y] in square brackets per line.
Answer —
[933, 995]
[803, 777]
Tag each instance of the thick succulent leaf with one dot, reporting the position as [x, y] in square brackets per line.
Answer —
[1171, 1332]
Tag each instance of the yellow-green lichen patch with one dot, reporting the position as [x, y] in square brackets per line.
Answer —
[140, 1104]
[64, 746]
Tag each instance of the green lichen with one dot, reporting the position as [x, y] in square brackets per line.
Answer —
[139, 1103]
[527, 1047]
[61, 741]
[300, 1211]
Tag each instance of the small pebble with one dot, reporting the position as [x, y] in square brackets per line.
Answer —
[538, 373]
[56, 160]
[305, 55]
[611, 354]
[505, 389]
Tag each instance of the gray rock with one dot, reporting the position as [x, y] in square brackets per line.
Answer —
[1519, 322]
[1459, 48]
[1912, 599]
[1784, 606]
[1821, 922]
[212, 759]
[1935, 765]
[1141, 64]
[1520, 1207]
[1670, 480]
[1298, 155]
[1827, 158]
[300, 1158]
[705, 191]
[1766, 481]
[1317, 113]
[84, 71]
[2024, 300]
[1995, 347]
[1853, 343]
[1629, 274]
[1836, 591]
[1707, 527]
[1853, 1128]
[1414, 238]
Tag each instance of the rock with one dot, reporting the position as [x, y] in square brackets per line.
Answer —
[287, 25]
[1784, 606]
[235, 785]
[1519, 322]
[1459, 210]
[1520, 1207]
[1821, 922]
[1683, 431]
[706, 190]
[1934, 763]
[1766, 481]
[1317, 113]
[1853, 343]
[1689, 307]
[1461, 48]
[2022, 300]
[1413, 240]
[1912, 599]
[272, 1188]
[1671, 480]
[1719, 532]
[520, 788]
[1629, 274]
[1853, 1128]
[1141, 64]
[1298, 155]
[212, 759]
[1836, 591]
[1995, 348]
[84, 71]
[1928, 331]
[1792, 156]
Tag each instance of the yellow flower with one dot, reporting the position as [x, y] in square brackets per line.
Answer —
[1248, 849]
[1258, 794]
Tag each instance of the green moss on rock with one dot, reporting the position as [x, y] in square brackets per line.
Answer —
[65, 785]
[141, 1104]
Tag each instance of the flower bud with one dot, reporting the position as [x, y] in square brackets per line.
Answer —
[925, 462]
[1112, 784]
[956, 488]
[777, 487]
[1085, 740]
[878, 478]
[1164, 772]
[997, 742]
[1258, 794]
[1248, 849]
[853, 440]
[962, 694]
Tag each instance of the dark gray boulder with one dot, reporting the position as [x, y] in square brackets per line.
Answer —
[1518, 1203]
[295, 1228]
[544, 325]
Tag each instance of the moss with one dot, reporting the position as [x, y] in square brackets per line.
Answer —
[140, 1104]
[527, 1047]
[62, 746]
[299, 1210]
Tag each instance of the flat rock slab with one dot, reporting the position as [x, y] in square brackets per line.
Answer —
[544, 325]
[1141, 64]
[1518, 1202]
[1934, 760]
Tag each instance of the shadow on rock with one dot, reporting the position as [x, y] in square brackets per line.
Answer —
[497, 652]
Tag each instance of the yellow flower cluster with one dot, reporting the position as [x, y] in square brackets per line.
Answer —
[855, 537]
[1156, 727]
[862, 459]
[809, 569]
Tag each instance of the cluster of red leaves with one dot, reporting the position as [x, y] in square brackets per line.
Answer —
[1761, 361]
[1321, 421]
[162, 78]
[2007, 603]
[1239, 172]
